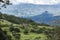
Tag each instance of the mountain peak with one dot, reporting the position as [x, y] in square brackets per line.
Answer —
[46, 14]
[45, 17]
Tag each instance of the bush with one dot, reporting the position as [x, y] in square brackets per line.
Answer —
[9, 37]
[17, 36]
[40, 31]
[26, 31]
[11, 29]
[5, 32]
[17, 30]
[33, 31]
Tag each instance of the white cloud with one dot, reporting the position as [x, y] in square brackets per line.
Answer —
[36, 1]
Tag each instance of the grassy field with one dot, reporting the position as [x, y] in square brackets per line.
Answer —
[33, 36]
[29, 36]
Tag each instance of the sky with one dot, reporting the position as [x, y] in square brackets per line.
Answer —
[49, 2]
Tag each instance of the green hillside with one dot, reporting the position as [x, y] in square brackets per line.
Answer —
[15, 28]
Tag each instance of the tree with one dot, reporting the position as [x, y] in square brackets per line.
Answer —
[5, 2]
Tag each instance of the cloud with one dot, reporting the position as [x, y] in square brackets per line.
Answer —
[36, 1]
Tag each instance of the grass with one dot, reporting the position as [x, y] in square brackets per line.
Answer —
[30, 36]
[48, 27]
[4, 22]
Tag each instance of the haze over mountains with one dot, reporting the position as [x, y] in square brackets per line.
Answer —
[28, 10]
[44, 13]
[46, 18]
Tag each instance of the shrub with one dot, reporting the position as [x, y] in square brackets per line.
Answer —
[26, 31]
[17, 30]
[17, 36]
[33, 31]
[11, 29]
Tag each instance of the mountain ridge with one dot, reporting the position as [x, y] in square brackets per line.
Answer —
[45, 17]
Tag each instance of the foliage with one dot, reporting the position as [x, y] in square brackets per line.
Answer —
[16, 20]
[5, 2]
[26, 31]
[26, 28]
[4, 36]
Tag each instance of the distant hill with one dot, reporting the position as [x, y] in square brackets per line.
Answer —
[45, 17]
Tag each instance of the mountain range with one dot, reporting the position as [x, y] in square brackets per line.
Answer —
[38, 13]
[28, 10]
[46, 18]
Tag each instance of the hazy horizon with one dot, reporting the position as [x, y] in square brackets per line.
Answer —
[48, 2]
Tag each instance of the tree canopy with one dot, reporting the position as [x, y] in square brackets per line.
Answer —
[3, 3]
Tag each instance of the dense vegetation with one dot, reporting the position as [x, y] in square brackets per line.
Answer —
[13, 19]
[15, 28]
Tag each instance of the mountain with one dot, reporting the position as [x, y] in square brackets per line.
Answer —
[46, 18]
[28, 10]
[36, 12]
